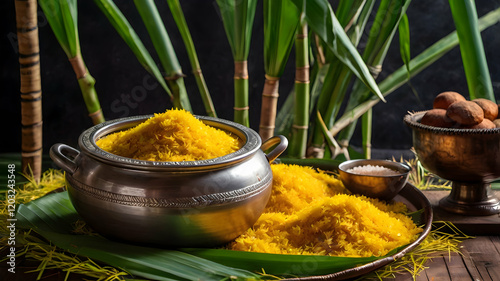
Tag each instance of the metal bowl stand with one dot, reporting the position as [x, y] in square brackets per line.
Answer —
[474, 199]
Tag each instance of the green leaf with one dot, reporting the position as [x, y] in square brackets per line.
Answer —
[322, 20]
[238, 17]
[52, 11]
[123, 27]
[472, 50]
[400, 76]
[159, 35]
[404, 41]
[281, 19]
[53, 216]
[166, 53]
[178, 15]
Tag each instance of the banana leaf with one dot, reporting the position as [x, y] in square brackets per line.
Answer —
[53, 217]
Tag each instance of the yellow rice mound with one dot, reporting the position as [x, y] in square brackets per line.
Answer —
[317, 217]
[175, 135]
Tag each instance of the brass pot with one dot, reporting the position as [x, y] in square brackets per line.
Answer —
[175, 204]
[469, 158]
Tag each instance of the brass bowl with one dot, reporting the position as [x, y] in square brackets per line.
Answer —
[175, 204]
[469, 158]
[384, 187]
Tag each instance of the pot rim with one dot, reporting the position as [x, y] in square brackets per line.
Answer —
[87, 144]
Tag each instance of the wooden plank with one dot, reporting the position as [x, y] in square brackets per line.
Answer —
[456, 267]
[484, 257]
[438, 271]
[472, 225]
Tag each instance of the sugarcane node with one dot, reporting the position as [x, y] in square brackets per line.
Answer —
[241, 108]
[375, 70]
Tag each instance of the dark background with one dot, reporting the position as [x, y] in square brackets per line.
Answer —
[118, 74]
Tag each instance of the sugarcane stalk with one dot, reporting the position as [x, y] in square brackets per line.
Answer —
[31, 88]
[241, 93]
[269, 107]
[87, 87]
[178, 15]
[238, 17]
[366, 124]
[298, 142]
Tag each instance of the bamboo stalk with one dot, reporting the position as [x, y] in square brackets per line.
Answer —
[178, 15]
[31, 88]
[241, 93]
[298, 143]
[269, 107]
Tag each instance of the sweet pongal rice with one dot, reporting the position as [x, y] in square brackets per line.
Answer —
[310, 213]
[175, 135]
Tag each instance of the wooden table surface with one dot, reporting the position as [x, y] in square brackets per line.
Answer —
[480, 256]
[479, 259]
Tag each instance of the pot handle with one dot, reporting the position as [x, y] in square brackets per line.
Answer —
[282, 144]
[64, 156]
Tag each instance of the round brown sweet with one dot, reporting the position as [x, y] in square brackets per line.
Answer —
[445, 99]
[466, 113]
[490, 108]
[437, 118]
[497, 123]
[485, 124]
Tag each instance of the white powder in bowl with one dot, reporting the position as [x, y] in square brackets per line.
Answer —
[373, 171]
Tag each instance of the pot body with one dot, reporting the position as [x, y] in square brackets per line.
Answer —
[174, 204]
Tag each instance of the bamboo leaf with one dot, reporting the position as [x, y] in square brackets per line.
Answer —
[322, 21]
[125, 30]
[472, 50]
